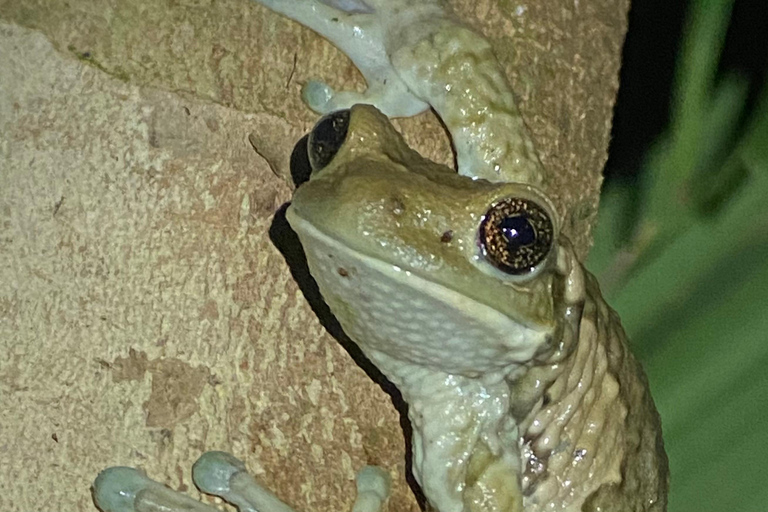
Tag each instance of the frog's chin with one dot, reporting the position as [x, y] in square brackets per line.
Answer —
[391, 310]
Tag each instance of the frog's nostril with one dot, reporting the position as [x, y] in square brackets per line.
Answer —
[326, 138]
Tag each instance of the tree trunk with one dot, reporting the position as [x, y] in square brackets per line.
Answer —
[145, 314]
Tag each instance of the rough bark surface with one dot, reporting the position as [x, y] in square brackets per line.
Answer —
[145, 314]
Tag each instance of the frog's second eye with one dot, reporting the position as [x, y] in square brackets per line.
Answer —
[516, 235]
[326, 138]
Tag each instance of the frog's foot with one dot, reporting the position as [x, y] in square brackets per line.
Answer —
[122, 489]
[359, 29]
[389, 95]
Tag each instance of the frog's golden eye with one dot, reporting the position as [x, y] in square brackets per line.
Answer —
[326, 138]
[516, 235]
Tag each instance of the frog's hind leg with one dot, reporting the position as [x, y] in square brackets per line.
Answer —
[123, 489]
[359, 30]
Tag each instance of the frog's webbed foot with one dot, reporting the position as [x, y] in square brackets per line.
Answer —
[122, 489]
[359, 29]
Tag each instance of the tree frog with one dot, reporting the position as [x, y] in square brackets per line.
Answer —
[458, 286]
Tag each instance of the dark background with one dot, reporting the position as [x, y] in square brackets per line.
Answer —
[647, 75]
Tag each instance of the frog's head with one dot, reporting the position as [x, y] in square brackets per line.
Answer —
[418, 262]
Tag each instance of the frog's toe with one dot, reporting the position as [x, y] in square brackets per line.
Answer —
[121, 489]
[389, 95]
[317, 96]
[223, 475]
[373, 485]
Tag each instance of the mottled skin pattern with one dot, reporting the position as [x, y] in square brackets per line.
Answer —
[583, 409]
[595, 370]
[566, 396]
[522, 393]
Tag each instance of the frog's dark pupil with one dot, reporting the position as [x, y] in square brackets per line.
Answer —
[516, 235]
[518, 231]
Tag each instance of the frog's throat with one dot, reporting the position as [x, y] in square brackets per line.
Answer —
[391, 310]
[464, 441]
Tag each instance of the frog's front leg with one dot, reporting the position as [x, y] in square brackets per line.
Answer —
[122, 489]
[415, 56]
[357, 28]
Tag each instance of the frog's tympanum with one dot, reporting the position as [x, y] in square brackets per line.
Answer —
[459, 287]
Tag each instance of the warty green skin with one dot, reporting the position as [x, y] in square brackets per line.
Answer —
[522, 393]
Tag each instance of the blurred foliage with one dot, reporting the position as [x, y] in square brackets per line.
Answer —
[682, 254]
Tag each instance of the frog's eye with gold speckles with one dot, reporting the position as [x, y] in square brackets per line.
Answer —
[326, 138]
[516, 235]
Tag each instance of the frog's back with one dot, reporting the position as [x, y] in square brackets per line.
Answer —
[593, 438]
[645, 468]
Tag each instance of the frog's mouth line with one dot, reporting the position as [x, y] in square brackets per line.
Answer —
[505, 326]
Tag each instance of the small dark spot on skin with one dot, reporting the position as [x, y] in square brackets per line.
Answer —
[343, 272]
[187, 111]
[103, 363]
[335, 19]
[398, 207]
[546, 399]
[55, 437]
[447, 236]
[535, 470]
[578, 455]
[535, 466]
[85, 55]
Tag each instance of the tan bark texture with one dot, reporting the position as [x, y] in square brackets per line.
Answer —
[146, 315]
